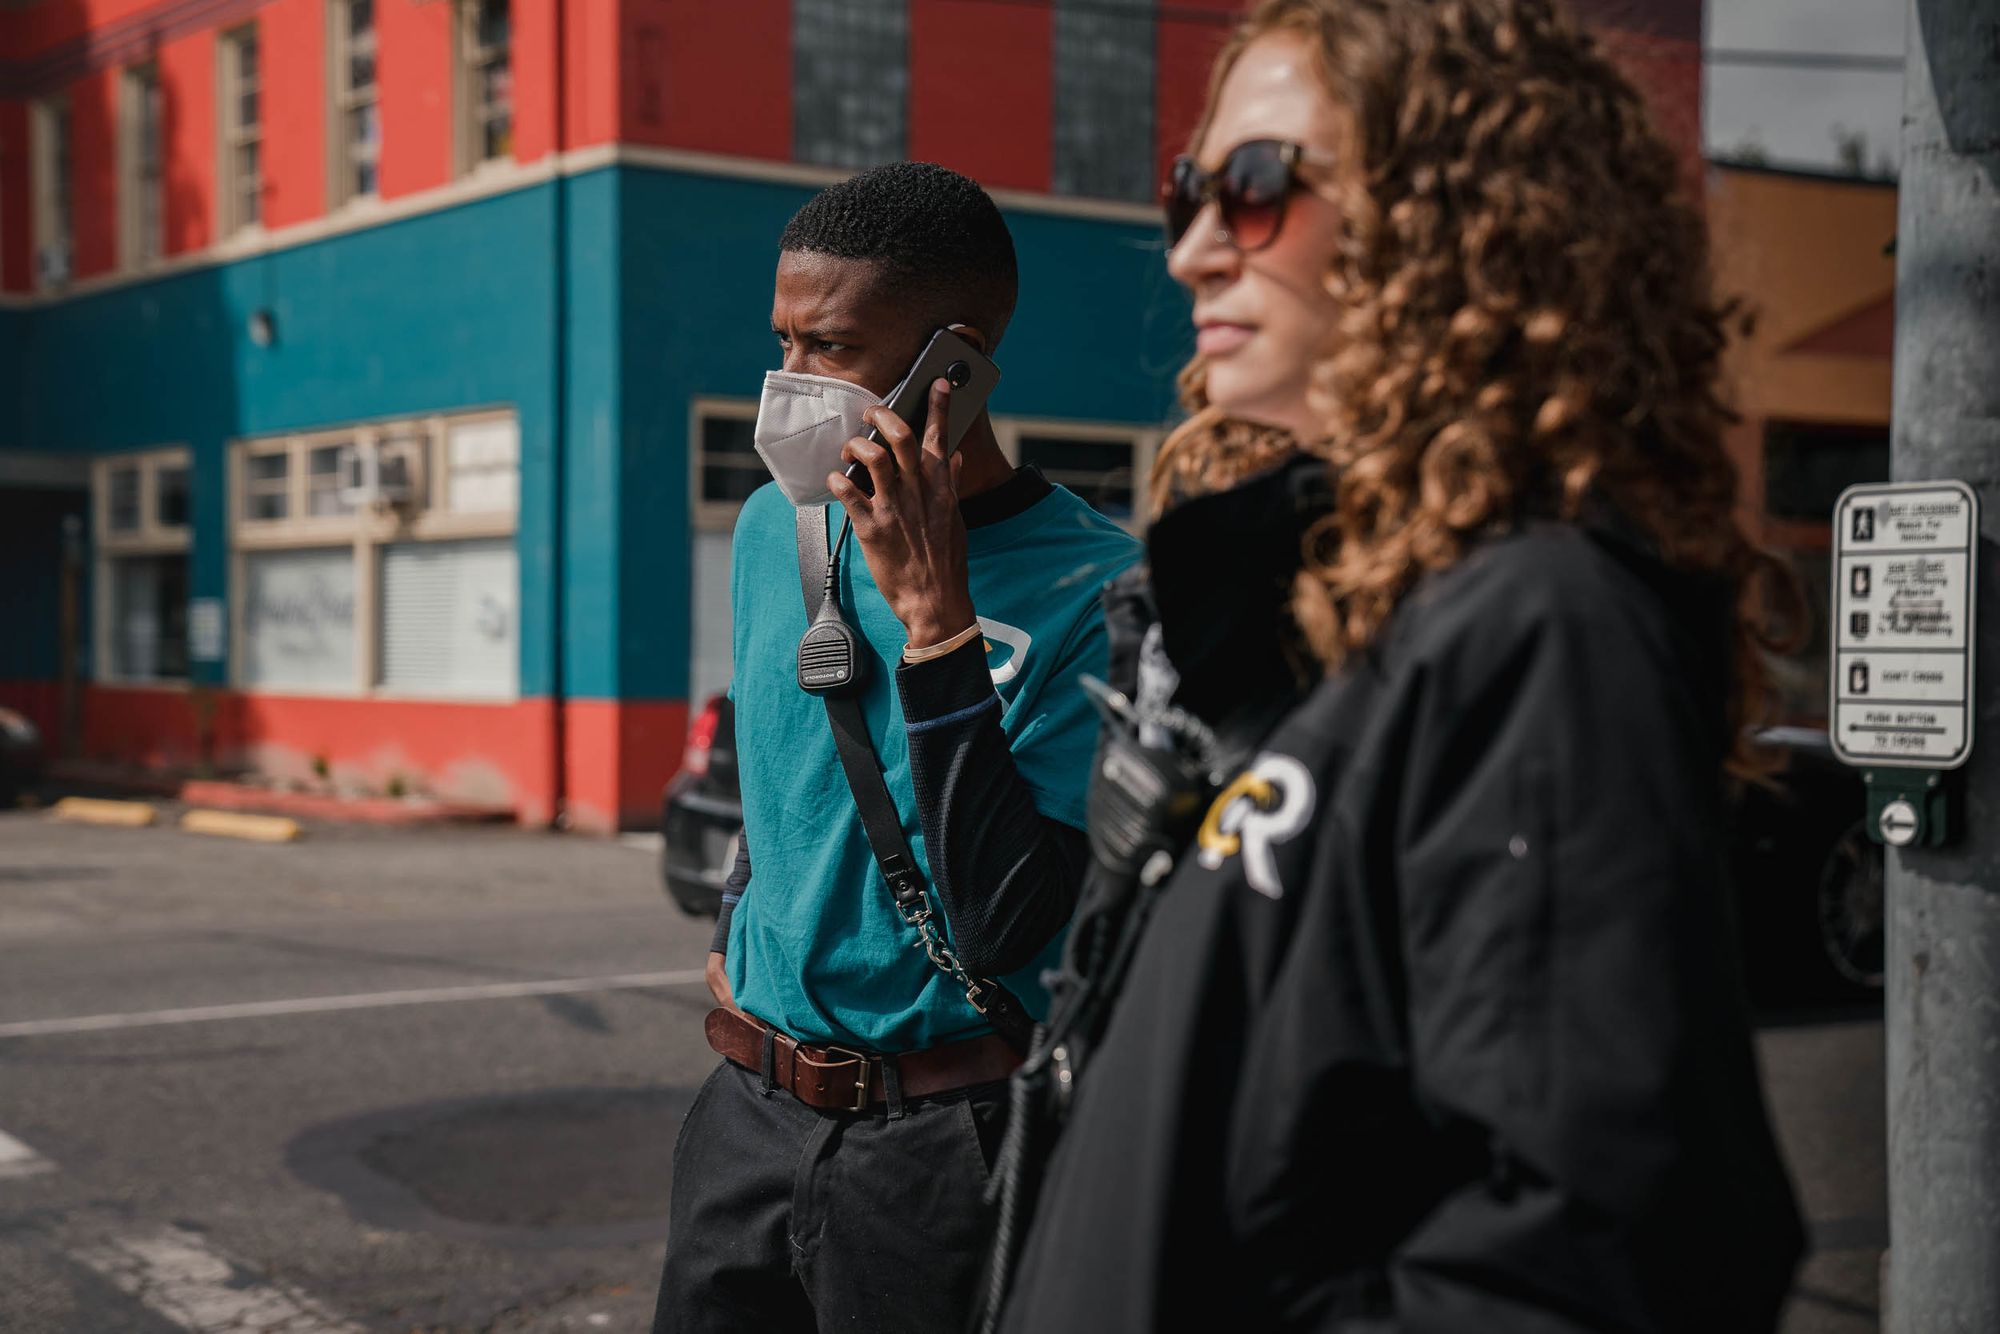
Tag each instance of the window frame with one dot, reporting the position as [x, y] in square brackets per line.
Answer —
[53, 210]
[712, 516]
[1144, 441]
[344, 99]
[232, 134]
[469, 60]
[142, 242]
[365, 532]
[150, 538]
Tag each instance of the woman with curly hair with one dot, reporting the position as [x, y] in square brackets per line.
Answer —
[1436, 1022]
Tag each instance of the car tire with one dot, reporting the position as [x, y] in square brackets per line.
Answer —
[1852, 909]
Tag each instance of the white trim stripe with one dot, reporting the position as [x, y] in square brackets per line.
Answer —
[18, 1160]
[198, 1014]
[179, 1275]
[498, 179]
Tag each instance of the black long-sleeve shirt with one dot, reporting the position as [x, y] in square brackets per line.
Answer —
[1006, 875]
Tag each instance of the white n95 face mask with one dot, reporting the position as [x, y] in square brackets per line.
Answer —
[802, 421]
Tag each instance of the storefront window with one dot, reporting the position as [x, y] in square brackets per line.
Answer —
[149, 596]
[298, 619]
[380, 558]
[449, 619]
[143, 504]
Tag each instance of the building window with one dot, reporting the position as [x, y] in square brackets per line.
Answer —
[356, 119]
[1099, 470]
[727, 466]
[142, 566]
[380, 559]
[1807, 466]
[54, 233]
[241, 191]
[850, 81]
[485, 83]
[1104, 76]
[1106, 466]
[448, 618]
[141, 177]
[297, 618]
[726, 469]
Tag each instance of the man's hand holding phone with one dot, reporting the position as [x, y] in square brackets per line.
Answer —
[910, 529]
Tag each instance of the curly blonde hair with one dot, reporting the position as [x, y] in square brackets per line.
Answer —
[1525, 323]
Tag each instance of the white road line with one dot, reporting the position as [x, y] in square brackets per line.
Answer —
[18, 1160]
[199, 1014]
[179, 1275]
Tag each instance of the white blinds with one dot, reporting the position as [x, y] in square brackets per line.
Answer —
[298, 619]
[450, 623]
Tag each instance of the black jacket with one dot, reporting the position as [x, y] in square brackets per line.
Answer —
[1441, 1019]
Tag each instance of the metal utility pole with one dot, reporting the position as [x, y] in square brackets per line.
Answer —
[1943, 999]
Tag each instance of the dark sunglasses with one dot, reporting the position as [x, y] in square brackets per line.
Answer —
[1249, 189]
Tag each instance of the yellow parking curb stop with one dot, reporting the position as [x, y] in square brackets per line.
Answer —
[96, 810]
[235, 824]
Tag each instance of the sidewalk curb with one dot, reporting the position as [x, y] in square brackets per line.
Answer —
[97, 810]
[235, 824]
[221, 794]
[352, 810]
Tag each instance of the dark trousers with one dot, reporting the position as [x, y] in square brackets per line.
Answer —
[788, 1218]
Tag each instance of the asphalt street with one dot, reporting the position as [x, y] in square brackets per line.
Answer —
[430, 1080]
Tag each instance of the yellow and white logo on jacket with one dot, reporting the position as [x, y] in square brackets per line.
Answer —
[1268, 803]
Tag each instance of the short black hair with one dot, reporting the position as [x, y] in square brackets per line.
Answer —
[939, 238]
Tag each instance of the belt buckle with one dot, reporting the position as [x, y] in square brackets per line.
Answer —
[861, 1080]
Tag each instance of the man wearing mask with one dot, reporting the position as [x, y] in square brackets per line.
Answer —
[831, 1171]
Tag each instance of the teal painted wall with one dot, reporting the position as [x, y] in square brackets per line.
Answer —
[13, 332]
[443, 311]
[663, 293]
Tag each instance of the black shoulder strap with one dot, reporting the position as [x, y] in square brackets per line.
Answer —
[879, 818]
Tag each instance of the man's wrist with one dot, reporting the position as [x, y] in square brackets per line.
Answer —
[932, 626]
[914, 653]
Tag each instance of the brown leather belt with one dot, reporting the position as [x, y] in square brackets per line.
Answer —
[836, 1079]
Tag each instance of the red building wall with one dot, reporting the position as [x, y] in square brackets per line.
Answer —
[534, 79]
[714, 78]
[981, 89]
[93, 111]
[16, 246]
[291, 40]
[187, 89]
[415, 71]
[1185, 45]
[590, 82]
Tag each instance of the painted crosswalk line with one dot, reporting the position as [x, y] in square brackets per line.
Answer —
[18, 1160]
[195, 1014]
[181, 1276]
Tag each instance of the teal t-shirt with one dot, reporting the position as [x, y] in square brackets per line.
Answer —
[816, 948]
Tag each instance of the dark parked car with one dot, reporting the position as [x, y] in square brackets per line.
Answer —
[1809, 881]
[20, 756]
[701, 812]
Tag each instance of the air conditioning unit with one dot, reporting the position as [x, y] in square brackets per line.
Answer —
[385, 473]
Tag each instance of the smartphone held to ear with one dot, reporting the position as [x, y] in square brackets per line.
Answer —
[958, 363]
